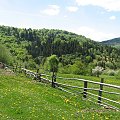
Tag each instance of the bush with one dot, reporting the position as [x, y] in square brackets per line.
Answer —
[5, 55]
[52, 63]
[97, 71]
[64, 69]
[78, 68]
[111, 73]
[30, 64]
[110, 65]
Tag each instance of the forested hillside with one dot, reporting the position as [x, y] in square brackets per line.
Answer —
[113, 42]
[77, 54]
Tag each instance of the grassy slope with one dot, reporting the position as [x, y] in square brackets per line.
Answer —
[107, 79]
[23, 99]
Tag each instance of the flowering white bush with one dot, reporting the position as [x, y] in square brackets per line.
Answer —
[97, 71]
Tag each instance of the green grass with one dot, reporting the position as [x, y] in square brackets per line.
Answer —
[24, 99]
[107, 79]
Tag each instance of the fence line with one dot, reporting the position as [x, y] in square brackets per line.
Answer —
[63, 87]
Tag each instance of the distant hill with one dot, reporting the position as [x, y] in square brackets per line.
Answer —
[113, 42]
[31, 47]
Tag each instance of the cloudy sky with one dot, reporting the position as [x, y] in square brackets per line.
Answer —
[95, 19]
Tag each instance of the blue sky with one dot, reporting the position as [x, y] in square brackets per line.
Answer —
[95, 19]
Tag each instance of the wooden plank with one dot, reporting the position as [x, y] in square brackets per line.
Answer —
[105, 98]
[68, 85]
[89, 81]
[103, 91]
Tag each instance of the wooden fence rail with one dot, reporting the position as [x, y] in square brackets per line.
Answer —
[89, 81]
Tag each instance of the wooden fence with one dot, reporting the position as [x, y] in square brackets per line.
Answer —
[75, 90]
[85, 90]
[98, 97]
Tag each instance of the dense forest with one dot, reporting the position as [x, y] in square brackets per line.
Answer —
[76, 53]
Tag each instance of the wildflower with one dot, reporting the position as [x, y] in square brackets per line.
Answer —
[63, 118]
[66, 100]
[106, 118]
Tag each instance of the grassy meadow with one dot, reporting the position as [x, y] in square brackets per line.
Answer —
[24, 99]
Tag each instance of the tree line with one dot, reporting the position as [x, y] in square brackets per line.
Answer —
[31, 47]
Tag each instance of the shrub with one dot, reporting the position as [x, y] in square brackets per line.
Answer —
[64, 69]
[5, 55]
[78, 68]
[111, 73]
[110, 65]
[52, 63]
[97, 71]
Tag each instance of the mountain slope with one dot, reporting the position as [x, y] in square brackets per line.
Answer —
[113, 42]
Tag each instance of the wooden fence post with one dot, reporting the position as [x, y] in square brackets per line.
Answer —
[37, 74]
[100, 91]
[85, 90]
[39, 77]
[37, 71]
[53, 80]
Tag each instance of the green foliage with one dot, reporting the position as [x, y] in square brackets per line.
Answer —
[88, 59]
[111, 73]
[31, 47]
[30, 64]
[78, 68]
[53, 63]
[5, 55]
[110, 65]
[118, 75]
[114, 42]
[64, 69]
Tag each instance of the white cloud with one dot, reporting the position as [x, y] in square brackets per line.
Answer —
[72, 9]
[93, 34]
[51, 10]
[112, 17]
[109, 5]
